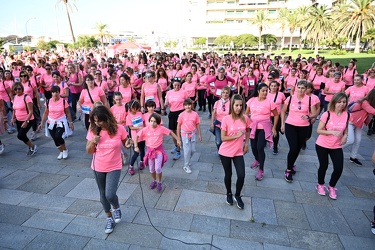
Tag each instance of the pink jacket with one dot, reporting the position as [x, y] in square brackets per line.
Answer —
[267, 127]
[151, 154]
[362, 114]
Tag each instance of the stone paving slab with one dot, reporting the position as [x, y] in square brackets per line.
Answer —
[210, 225]
[98, 244]
[196, 240]
[85, 207]
[269, 193]
[313, 240]
[264, 211]
[5, 172]
[42, 183]
[66, 186]
[195, 202]
[291, 214]
[278, 183]
[16, 237]
[49, 220]
[356, 220]
[87, 226]
[229, 243]
[13, 197]
[168, 199]
[17, 178]
[55, 240]
[15, 214]
[351, 242]
[311, 198]
[267, 246]
[48, 202]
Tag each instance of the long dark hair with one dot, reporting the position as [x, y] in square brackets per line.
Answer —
[257, 89]
[88, 76]
[103, 114]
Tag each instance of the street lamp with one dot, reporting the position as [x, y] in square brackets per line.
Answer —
[28, 42]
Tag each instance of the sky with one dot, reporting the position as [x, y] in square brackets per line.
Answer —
[46, 17]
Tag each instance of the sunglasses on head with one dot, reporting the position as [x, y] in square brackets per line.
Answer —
[178, 79]
[299, 105]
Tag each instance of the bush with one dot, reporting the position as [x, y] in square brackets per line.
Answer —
[371, 51]
[338, 52]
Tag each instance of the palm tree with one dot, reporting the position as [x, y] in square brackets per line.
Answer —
[302, 14]
[282, 19]
[69, 6]
[319, 25]
[292, 19]
[261, 20]
[102, 32]
[356, 20]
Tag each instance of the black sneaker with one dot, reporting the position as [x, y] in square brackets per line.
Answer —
[275, 152]
[355, 161]
[373, 226]
[288, 176]
[239, 201]
[32, 151]
[369, 132]
[110, 225]
[294, 170]
[230, 199]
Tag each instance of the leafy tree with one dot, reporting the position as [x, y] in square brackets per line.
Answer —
[248, 40]
[269, 39]
[102, 32]
[319, 25]
[356, 20]
[86, 41]
[131, 39]
[69, 7]
[302, 13]
[223, 40]
[260, 20]
[283, 21]
[292, 19]
[170, 44]
[200, 41]
[370, 36]
[41, 44]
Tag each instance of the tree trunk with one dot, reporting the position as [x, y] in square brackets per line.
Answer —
[102, 41]
[291, 41]
[282, 39]
[316, 50]
[357, 44]
[260, 38]
[70, 22]
[300, 39]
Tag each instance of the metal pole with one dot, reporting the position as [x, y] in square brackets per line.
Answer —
[28, 42]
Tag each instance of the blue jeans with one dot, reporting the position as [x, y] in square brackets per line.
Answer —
[218, 140]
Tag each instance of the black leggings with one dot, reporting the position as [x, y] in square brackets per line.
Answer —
[257, 147]
[87, 121]
[56, 134]
[296, 137]
[277, 137]
[75, 98]
[210, 103]
[22, 132]
[201, 99]
[337, 157]
[107, 184]
[141, 146]
[239, 164]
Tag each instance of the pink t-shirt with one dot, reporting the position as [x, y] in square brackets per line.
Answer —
[317, 80]
[48, 80]
[95, 93]
[370, 83]
[232, 127]
[62, 89]
[279, 100]
[135, 120]
[151, 93]
[176, 99]
[297, 109]
[260, 110]
[217, 85]
[202, 82]
[188, 121]
[163, 84]
[336, 123]
[119, 113]
[333, 87]
[349, 74]
[102, 84]
[153, 136]
[126, 92]
[56, 109]
[221, 110]
[356, 93]
[20, 108]
[28, 88]
[291, 82]
[146, 117]
[3, 90]
[108, 150]
[190, 88]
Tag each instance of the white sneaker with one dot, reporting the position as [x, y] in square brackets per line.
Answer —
[65, 154]
[2, 147]
[33, 136]
[60, 156]
[187, 169]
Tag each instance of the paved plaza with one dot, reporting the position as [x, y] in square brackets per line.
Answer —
[50, 204]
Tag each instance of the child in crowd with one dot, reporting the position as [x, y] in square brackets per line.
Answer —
[135, 122]
[150, 106]
[156, 156]
[188, 123]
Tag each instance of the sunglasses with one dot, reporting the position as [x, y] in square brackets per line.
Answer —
[98, 74]
[177, 79]
[15, 89]
[269, 78]
[223, 108]
[211, 71]
[299, 105]
[234, 70]
[23, 75]
[48, 68]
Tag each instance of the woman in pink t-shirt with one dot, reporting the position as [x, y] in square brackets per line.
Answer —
[163, 81]
[112, 83]
[57, 114]
[278, 98]
[74, 81]
[125, 89]
[221, 109]
[105, 140]
[175, 100]
[3, 122]
[332, 87]
[209, 84]
[23, 116]
[296, 125]
[358, 90]
[99, 80]
[260, 109]
[290, 82]
[190, 88]
[156, 157]
[151, 91]
[202, 89]
[46, 81]
[89, 95]
[235, 132]
[333, 133]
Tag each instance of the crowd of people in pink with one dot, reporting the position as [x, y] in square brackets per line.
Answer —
[250, 100]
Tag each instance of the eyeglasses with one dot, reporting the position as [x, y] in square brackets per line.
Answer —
[23, 75]
[299, 105]
[178, 79]
[54, 92]
[48, 68]
[270, 78]
[15, 89]
[211, 71]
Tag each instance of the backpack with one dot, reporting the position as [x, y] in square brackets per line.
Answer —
[329, 116]
[351, 108]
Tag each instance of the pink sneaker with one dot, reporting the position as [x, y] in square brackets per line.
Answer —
[255, 164]
[259, 175]
[141, 165]
[153, 184]
[131, 170]
[332, 192]
[321, 189]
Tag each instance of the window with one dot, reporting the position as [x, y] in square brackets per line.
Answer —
[230, 21]
[230, 13]
[271, 12]
[239, 12]
[231, 2]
